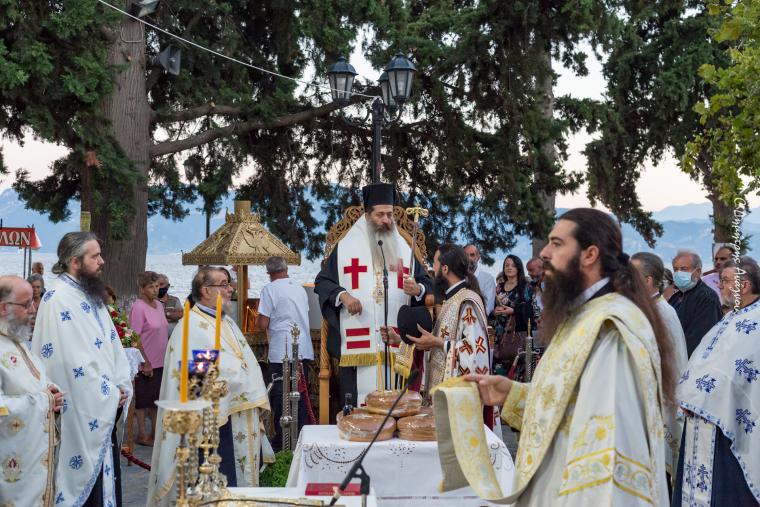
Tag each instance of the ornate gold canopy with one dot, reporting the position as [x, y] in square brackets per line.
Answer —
[242, 240]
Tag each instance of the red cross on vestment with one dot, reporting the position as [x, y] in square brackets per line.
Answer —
[400, 272]
[469, 317]
[354, 269]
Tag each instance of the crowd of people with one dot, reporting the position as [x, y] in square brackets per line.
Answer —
[645, 387]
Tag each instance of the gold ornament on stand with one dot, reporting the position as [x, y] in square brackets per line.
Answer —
[212, 484]
[184, 419]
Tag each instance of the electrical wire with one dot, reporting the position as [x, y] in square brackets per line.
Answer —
[221, 55]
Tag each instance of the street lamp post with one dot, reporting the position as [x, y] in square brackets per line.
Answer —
[395, 88]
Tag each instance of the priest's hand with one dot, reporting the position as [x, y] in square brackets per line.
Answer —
[389, 336]
[57, 397]
[147, 368]
[503, 310]
[352, 304]
[123, 395]
[493, 388]
[426, 341]
[411, 287]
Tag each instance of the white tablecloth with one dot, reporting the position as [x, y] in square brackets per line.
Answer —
[402, 472]
[135, 359]
[294, 493]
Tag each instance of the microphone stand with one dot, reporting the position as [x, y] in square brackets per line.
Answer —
[385, 311]
[357, 470]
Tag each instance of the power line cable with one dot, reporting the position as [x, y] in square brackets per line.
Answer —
[221, 55]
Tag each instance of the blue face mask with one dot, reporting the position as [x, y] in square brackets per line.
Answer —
[683, 280]
[543, 286]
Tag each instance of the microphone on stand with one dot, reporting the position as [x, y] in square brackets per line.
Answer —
[385, 309]
[356, 470]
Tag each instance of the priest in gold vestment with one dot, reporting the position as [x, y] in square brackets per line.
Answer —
[591, 423]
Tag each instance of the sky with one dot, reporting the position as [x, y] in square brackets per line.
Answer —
[659, 187]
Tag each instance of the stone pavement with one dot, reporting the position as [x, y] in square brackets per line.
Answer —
[135, 479]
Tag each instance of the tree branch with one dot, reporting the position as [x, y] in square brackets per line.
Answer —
[196, 112]
[207, 136]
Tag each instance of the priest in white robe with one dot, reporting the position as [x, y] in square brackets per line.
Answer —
[591, 423]
[77, 342]
[720, 393]
[242, 434]
[652, 270]
[29, 402]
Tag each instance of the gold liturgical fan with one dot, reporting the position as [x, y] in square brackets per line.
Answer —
[241, 241]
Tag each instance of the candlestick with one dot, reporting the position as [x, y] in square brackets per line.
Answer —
[217, 336]
[183, 371]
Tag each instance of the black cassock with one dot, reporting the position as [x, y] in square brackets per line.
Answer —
[327, 287]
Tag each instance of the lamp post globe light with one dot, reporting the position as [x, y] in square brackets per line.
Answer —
[395, 88]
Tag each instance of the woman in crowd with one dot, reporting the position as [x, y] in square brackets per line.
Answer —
[514, 306]
[148, 319]
[38, 289]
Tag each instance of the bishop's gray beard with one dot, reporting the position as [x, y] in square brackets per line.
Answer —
[16, 329]
[561, 291]
[390, 246]
[227, 308]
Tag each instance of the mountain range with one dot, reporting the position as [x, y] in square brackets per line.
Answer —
[685, 226]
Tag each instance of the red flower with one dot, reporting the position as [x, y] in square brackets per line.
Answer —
[123, 324]
[120, 332]
[114, 314]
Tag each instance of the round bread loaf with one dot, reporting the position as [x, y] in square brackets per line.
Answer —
[420, 427]
[379, 402]
[361, 426]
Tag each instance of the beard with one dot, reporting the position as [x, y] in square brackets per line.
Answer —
[440, 286]
[227, 308]
[390, 245]
[92, 284]
[561, 290]
[17, 330]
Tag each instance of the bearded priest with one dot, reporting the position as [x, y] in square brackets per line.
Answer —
[29, 402]
[458, 344]
[592, 418]
[241, 434]
[75, 337]
[350, 290]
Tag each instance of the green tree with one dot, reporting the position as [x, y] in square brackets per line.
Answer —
[77, 73]
[731, 112]
[652, 88]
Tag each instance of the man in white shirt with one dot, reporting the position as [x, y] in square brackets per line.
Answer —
[486, 280]
[284, 303]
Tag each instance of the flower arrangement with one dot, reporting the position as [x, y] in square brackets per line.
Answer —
[127, 335]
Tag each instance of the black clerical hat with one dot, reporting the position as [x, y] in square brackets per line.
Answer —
[409, 317]
[378, 193]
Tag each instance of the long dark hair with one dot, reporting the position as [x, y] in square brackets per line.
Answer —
[453, 256]
[521, 280]
[594, 227]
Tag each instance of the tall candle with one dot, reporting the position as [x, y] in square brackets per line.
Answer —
[183, 370]
[217, 336]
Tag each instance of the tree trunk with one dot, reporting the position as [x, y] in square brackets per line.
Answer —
[208, 224]
[545, 84]
[722, 214]
[128, 110]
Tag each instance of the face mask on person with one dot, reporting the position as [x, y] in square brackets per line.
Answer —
[543, 286]
[162, 291]
[683, 280]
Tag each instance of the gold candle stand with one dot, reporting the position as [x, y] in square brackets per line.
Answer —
[184, 419]
[211, 484]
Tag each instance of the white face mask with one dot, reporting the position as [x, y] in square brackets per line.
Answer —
[684, 280]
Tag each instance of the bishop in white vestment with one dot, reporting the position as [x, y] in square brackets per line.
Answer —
[77, 342]
[350, 290]
[242, 434]
[29, 402]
